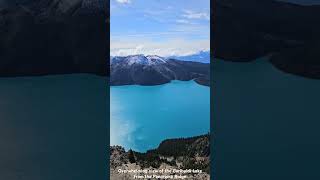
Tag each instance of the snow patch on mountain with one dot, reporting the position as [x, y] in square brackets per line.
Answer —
[139, 59]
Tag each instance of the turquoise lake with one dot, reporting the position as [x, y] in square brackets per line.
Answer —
[143, 116]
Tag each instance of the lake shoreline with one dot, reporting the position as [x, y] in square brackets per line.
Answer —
[199, 82]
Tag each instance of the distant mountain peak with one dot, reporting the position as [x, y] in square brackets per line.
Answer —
[139, 59]
[156, 59]
[202, 56]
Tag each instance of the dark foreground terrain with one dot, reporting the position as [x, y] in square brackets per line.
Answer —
[183, 153]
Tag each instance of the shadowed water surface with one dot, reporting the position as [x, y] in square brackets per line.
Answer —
[266, 122]
[53, 127]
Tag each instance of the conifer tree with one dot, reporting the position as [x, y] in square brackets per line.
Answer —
[131, 157]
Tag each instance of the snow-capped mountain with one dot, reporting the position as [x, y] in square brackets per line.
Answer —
[154, 70]
[139, 59]
[202, 56]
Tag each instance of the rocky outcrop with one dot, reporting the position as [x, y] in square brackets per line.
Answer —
[183, 153]
[249, 29]
[118, 156]
[39, 37]
[155, 70]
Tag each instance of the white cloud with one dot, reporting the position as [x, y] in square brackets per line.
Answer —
[196, 15]
[161, 15]
[124, 1]
[182, 21]
[177, 46]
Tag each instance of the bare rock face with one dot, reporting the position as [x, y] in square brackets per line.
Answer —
[118, 156]
[42, 37]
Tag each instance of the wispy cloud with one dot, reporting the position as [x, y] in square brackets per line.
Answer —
[163, 28]
[196, 15]
[183, 21]
[175, 46]
[160, 15]
[124, 1]
[176, 31]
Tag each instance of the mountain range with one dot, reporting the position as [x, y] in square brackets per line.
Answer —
[288, 33]
[155, 70]
[202, 56]
[40, 37]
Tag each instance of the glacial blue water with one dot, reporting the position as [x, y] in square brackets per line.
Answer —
[143, 116]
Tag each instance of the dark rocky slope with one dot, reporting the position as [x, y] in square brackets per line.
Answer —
[182, 153]
[248, 29]
[155, 70]
[39, 37]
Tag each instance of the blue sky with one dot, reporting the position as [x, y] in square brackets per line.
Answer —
[161, 27]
